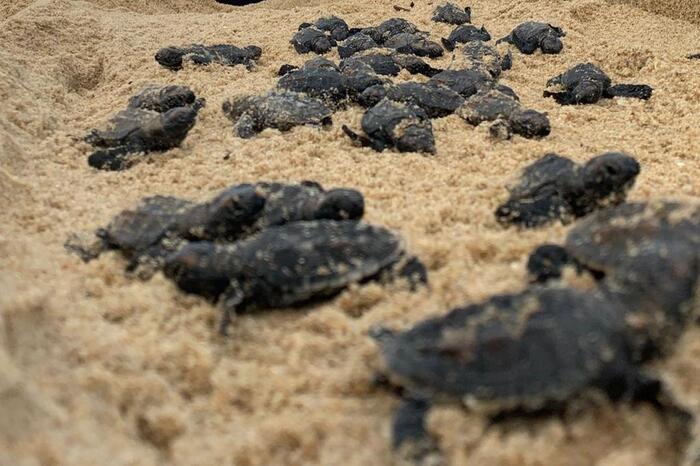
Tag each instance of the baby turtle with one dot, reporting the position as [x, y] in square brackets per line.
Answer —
[484, 57]
[335, 27]
[391, 64]
[556, 188]
[414, 44]
[311, 39]
[452, 14]
[465, 33]
[515, 353]
[291, 265]
[163, 224]
[506, 113]
[646, 256]
[395, 124]
[355, 44]
[437, 100]
[587, 84]
[156, 119]
[319, 79]
[281, 110]
[531, 35]
[388, 29]
[468, 82]
[228, 55]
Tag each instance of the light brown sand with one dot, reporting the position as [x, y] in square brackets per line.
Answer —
[96, 368]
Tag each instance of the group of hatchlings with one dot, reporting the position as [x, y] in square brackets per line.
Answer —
[273, 245]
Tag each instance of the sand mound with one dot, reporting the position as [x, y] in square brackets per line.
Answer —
[680, 9]
[98, 368]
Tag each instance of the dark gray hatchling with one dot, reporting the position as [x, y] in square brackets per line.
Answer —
[281, 110]
[556, 188]
[311, 39]
[437, 100]
[513, 354]
[465, 33]
[414, 44]
[394, 124]
[467, 82]
[156, 119]
[320, 79]
[391, 64]
[645, 256]
[506, 115]
[291, 265]
[481, 56]
[531, 35]
[336, 28]
[452, 14]
[223, 54]
[161, 225]
[355, 44]
[587, 84]
[388, 29]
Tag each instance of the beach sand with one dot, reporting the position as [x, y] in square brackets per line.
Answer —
[98, 368]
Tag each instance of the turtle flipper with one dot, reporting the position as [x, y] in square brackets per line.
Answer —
[636, 91]
[230, 300]
[87, 246]
[507, 39]
[113, 159]
[246, 127]
[356, 137]
[410, 439]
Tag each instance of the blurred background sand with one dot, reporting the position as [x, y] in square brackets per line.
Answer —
[97, 368]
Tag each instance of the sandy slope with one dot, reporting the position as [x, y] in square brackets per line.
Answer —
[96, 368]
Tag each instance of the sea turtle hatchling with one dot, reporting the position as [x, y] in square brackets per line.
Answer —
[311, 39]
[437, 100]
[465, 33]
[481, 56]
[556, 188]
[586, 84]
[281, 110]
[224, 54]
[163, 224]
[356, 43]
[531, 35]
[414, 44]
[334, 26]
[452, 14]
[505, 113]
[467, 82]
[521, 353]
[156, 119]
[644, 255]
[391, 64]
[290, 265]
[395, 124]
[388, 29]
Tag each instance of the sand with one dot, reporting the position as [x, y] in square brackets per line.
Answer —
[97, 368]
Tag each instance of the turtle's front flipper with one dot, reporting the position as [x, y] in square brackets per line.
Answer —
[636, 91]
[87, 246]
[507, 39]
[356, 137]
[114, 159]
[229, 302]
[409, 438]
[562, 98]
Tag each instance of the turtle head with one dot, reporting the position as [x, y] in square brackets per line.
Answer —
[170, 57]
[230, 212]
[551, 44]
[253, 51]
[587, 92]
[194, 270]
[179, 120]
[610, 173]
[341, 204]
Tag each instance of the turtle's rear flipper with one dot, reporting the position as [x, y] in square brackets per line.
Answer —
[113, 159]
[410, 439]
[355, 137]
[637, 91]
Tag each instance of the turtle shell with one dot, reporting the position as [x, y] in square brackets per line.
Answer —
[604, 239]
[511, 351]
[134, 231]
[289, 264]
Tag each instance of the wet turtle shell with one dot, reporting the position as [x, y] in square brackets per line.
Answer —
[585, 83]
[514, 351]
[531, 35]
[290, 264]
